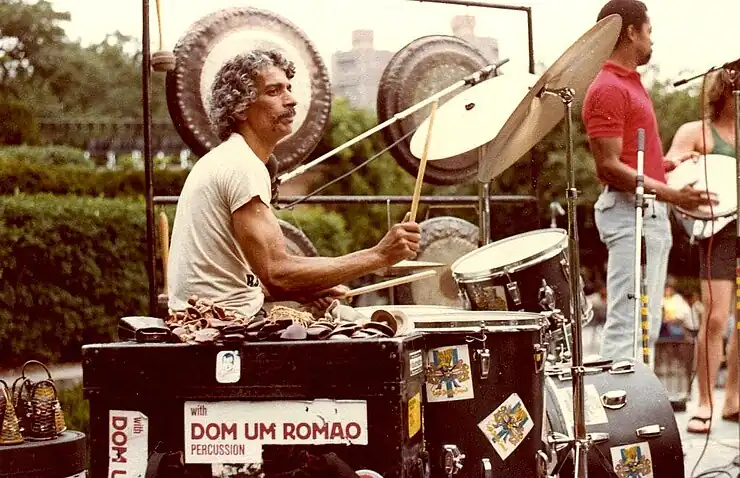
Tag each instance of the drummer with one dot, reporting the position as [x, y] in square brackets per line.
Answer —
[715, 135]
[227, 244]
[615, 106]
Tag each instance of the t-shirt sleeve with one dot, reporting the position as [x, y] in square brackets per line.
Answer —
[243, 181]
[604, 111]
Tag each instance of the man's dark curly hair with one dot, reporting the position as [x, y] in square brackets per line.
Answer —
[234, 88]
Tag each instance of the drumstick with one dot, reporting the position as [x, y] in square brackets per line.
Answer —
[164, 245]
[423, 164]
[388, 283]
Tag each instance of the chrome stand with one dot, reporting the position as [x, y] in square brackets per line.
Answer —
[581, 441]
[484, 214]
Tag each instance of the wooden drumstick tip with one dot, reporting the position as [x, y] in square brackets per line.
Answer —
[163, 61]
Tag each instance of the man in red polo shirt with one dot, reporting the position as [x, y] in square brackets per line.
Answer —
[616, 105]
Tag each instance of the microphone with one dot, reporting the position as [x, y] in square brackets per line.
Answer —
[730, 65]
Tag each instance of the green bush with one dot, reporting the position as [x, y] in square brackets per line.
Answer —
[30, 178]
[46, 155]
[72, 266]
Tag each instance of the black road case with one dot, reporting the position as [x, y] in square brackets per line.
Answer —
[301, 406]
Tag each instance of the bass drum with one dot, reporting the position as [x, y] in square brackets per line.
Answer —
[628, 415]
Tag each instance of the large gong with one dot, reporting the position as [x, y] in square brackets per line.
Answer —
[443, 239]
[422, 68]
[211, 41]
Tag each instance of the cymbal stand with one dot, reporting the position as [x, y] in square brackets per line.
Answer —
[484, 209]
[581, 441]
[734, 73]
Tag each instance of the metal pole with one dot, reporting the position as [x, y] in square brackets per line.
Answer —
[528, 10]
[448, 200]
[146, 69]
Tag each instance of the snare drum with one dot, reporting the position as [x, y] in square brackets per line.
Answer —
[484, 392]
[715, 173]
[526, 272]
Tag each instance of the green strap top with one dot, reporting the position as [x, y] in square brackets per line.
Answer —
[721, 146]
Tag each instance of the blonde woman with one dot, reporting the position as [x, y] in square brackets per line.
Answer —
[714, 135]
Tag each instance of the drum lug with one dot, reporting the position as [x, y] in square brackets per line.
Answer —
[565, 267]
[486, 468]
[598, 437]
[484, 356]
[546, 296]
[650, 431]
[614, 399]
[622, 367]
[540, 352]
[452, 460]
[513, 289]
[546, 462]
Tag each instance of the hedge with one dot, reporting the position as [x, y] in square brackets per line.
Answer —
[71, 266]
[47, 155]
[18, 176]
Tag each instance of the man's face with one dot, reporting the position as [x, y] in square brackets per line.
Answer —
[272, 113]
[643, 43]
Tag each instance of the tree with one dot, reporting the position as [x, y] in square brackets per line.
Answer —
[26, 31]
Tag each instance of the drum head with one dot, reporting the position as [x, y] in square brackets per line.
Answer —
[224, 34]
[422, 68]
[510, 254]
[714, 173]
[469, 320]
[443, 239]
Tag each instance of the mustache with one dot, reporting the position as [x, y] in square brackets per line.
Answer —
[288, 114]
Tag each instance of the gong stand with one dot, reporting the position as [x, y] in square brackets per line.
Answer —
[581, 441]
[470, 80]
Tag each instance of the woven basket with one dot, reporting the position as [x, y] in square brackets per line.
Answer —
[47, 419]
[10, 433]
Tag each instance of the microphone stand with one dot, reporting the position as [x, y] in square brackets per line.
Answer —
[641, 340]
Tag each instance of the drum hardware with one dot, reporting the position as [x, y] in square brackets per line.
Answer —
[513, 288]
[555, 210]
[452, 460]
[484, 211]
[546, 296]
[546, 462]
[486, 468]
[650, 431]
[483, 356]
[622, 367]
[614, 399]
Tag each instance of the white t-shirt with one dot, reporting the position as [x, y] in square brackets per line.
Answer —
[205, 258]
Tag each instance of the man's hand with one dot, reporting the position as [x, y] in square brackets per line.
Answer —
[689, 198]
[327, 297]
[401, 242]
[681, 157]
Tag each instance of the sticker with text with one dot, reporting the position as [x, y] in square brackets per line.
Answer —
[594, 412]
[128, 443]
[414, 414]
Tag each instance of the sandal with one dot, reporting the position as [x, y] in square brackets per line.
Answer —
[706, 425]
[732, 417]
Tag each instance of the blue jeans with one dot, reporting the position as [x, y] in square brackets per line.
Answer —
[615, 219]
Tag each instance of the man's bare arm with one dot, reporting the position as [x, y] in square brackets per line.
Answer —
[611, 170]
[287, 276]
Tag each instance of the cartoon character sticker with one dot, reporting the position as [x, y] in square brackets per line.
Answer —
[633, 460]
[507, 426]
[448, 375]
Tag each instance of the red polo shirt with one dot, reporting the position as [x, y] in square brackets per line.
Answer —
[616, 105]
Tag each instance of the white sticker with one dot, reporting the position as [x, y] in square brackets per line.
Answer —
[228, 366]
[633, 460]
[128, 443]
[594, 410]
[448, 374]
[416, 363]
[234, 432]
[507, 426]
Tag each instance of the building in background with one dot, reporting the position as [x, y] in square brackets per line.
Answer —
[356, 73]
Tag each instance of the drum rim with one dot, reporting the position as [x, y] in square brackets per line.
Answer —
[717, 213]
[513, 267]
[516, 321]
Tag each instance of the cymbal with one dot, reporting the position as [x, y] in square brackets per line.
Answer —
[472, 118]
[538, 113]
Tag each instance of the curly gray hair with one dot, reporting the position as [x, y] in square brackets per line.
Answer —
[234, 88]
